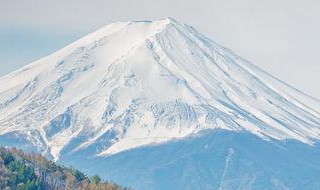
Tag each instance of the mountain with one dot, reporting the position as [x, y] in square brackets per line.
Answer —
[137, 91]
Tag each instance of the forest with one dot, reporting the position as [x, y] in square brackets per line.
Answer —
[26, 171]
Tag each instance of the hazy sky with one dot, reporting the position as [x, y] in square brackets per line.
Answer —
[281, 36]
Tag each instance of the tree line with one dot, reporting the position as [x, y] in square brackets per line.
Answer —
[25, 171]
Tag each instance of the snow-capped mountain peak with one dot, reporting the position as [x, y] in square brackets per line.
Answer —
[131, 84]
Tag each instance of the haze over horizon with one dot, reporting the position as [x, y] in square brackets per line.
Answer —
[279, 36]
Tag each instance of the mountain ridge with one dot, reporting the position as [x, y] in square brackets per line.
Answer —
[132, 84]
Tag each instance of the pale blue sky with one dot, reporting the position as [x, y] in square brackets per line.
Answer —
[19, 47]
[281, 36]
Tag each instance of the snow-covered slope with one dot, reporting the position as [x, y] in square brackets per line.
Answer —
[132, 84]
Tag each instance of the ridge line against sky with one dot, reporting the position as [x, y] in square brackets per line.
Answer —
[280, 36]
